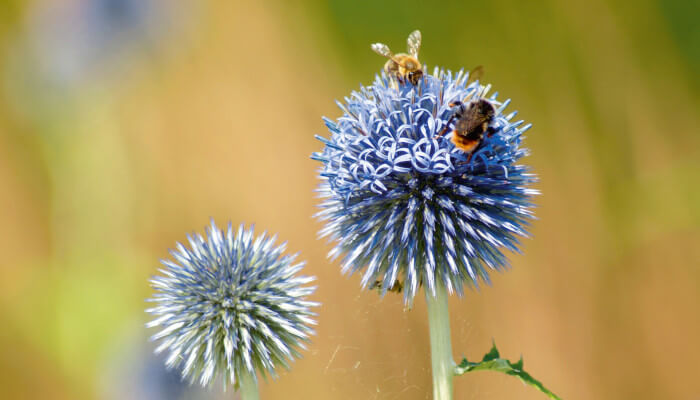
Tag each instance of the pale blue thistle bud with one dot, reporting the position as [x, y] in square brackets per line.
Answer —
[231, 304]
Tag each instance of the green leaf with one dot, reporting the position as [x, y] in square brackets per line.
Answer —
[492, 361]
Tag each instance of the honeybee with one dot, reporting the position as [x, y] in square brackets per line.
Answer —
[402, 66]
[397, 287]
[473, 121]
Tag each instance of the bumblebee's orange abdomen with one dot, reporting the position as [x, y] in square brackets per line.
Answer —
[464, 144]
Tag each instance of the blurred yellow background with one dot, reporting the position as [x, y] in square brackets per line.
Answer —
[125, 124]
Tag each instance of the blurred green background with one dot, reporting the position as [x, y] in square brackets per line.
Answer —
[125, 124]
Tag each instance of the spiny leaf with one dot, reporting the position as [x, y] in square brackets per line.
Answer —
[493, 361]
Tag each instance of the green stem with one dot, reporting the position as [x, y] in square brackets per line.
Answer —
[440, 343]
[248, 386]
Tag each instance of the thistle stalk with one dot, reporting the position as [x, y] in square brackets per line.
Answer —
[440, 343]
[248, 387]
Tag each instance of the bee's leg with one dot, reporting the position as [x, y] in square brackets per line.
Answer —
[393, 81]
[490, 131]
[415, 77]
[469, 157]
[446, 128]
[457, 114]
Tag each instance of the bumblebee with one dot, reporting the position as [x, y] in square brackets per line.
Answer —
[403, 67]
[473, 121]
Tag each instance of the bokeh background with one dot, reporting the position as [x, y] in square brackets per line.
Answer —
[125, 124]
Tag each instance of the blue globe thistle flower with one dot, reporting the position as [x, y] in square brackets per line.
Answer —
[230, 304]
[403, 204]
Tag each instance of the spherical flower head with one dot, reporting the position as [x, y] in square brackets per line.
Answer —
[231, 304]
[403, 204]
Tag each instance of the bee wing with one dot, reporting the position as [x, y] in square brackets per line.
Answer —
[382, 50]
[413, 41]
[475, 74]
